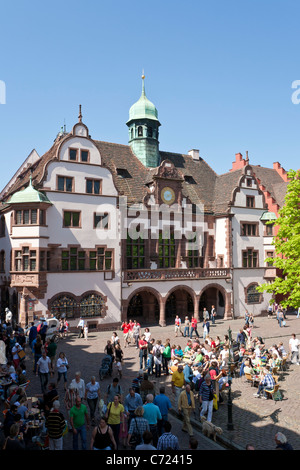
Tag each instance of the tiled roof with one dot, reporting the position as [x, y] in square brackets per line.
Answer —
[224, 185]
[201, 184]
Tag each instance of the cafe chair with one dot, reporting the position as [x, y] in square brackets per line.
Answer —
[249, 378]
[270, 393]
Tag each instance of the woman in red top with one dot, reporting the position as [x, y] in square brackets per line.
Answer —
[194, 327]
[126, 328]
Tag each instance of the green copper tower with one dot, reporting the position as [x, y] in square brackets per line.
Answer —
[143, 127]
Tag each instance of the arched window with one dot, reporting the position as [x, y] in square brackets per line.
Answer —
[63, 304]
[92, 305]
[140, 131]
[252, 295]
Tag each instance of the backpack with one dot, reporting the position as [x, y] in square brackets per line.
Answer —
[277, 396]
[109, 387]
[158, 353]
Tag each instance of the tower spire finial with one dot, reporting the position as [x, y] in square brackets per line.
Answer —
[80, 115]
[143, 83]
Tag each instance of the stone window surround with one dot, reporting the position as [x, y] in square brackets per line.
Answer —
[64, 190]
[261, 298]
[39, 217]
[246, 222]
[78, 152]
[78, 299]
[257, 258]
[57, 254]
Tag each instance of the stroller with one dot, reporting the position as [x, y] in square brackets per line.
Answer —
[106, 367]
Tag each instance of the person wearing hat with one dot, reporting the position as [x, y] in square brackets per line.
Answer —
[15, 354]
[178, 381]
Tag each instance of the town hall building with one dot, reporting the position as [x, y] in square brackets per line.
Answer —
[96, 230]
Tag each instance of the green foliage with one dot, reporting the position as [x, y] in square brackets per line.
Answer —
[287, 247]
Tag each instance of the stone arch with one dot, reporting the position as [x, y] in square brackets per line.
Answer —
[152, 304]
[183, 306]
[224, 312]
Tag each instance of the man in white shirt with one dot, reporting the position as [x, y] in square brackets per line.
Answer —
[81, 328]
[79, 384]
[44, 366]
[294, 349]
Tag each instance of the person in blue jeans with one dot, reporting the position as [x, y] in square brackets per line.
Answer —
[187, 324]
[79, 420]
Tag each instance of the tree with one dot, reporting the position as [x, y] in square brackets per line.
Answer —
[287, 247]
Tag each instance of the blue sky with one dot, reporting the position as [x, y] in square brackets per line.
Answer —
[220, 74]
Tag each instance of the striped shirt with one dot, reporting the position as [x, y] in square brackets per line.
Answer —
[205, 390]
[55, 424]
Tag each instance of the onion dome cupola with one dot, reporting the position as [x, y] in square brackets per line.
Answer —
[28, 195]
[143, 127]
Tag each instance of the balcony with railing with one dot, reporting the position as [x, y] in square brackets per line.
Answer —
[135, 275]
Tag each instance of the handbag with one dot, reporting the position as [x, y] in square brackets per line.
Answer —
[136, 438]
[21, 354]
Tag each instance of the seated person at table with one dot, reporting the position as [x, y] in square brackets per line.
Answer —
[46, 400]
[9, 419]
[188, 347]
[274, 362]
[21, 379]
[248, 369]
[178, 352]
[281, 350]
[267, 382]
[22, 408]
[14, 440]
[16, 394]
[199, 358]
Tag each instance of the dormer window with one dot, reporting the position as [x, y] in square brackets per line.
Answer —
[84, 155]
[140, 131]
[73, 155]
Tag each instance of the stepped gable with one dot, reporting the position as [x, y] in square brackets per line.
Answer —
[272, 181]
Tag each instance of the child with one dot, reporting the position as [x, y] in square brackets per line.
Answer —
[85, 332]
[119, 368]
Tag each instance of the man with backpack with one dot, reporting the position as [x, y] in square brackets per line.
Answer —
[113, 390]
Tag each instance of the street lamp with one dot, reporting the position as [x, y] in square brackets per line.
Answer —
[229, 402]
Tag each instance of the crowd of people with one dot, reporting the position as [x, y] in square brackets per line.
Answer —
[138, 419]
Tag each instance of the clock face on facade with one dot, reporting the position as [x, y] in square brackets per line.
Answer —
[168, 195]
